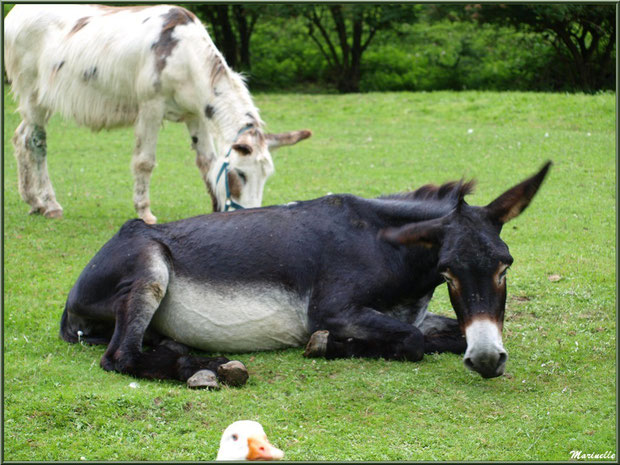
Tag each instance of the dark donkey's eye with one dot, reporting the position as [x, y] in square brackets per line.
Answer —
[242, 176]
[502, 274]
[448, 277]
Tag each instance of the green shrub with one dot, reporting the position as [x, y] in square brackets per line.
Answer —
[424, 56]
[457, 56]
[283, 58]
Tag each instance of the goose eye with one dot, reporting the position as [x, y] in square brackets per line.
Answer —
[235, 437]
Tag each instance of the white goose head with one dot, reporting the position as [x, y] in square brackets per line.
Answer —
[246, 440]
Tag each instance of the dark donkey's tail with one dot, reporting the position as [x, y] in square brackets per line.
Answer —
[75, 329]
[66, 332]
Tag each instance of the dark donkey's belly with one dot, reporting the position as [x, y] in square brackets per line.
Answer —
[232, 318]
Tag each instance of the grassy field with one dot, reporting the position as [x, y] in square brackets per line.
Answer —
[559, 392]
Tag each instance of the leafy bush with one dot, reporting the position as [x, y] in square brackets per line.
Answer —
[283, 58]
[425, 56]
[456, 56]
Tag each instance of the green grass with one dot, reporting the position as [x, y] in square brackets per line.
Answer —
[559, 393]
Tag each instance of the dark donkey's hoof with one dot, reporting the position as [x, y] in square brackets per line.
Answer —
[203, 379]
[233, 373]
[317, 345]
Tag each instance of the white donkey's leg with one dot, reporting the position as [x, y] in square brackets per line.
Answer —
[147, 126]
[202, 143]
[30, 146]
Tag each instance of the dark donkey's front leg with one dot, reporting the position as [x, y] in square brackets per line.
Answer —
[362, 332]
[133, 313]
[442, 334]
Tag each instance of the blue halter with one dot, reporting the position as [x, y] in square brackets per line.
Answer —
[230, 203]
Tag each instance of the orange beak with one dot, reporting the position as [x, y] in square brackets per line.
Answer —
[261, 449]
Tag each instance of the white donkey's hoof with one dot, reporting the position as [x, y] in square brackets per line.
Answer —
[149, 219]
[53, 214]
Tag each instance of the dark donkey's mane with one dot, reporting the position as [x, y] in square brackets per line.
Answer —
[432, 201]
[451, 192]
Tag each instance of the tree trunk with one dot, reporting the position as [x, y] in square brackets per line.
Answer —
[229, 45]
[356, 54]
[344, 58]
[245, 31]
[349, 75]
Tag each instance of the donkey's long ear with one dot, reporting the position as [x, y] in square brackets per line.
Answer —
[512, 202]
[426, 233]
[275, 141]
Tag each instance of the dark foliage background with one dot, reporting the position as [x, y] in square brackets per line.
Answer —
[377, 47]
[347, 47]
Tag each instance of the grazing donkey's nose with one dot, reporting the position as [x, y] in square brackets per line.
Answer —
[489, 365]
[485, 352]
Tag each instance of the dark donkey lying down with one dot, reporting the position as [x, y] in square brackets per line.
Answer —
[346, 275]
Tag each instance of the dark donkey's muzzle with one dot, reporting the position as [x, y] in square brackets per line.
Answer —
[485, 352]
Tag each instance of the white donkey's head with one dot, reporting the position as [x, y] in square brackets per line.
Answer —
[242, 161]
[237, 179]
